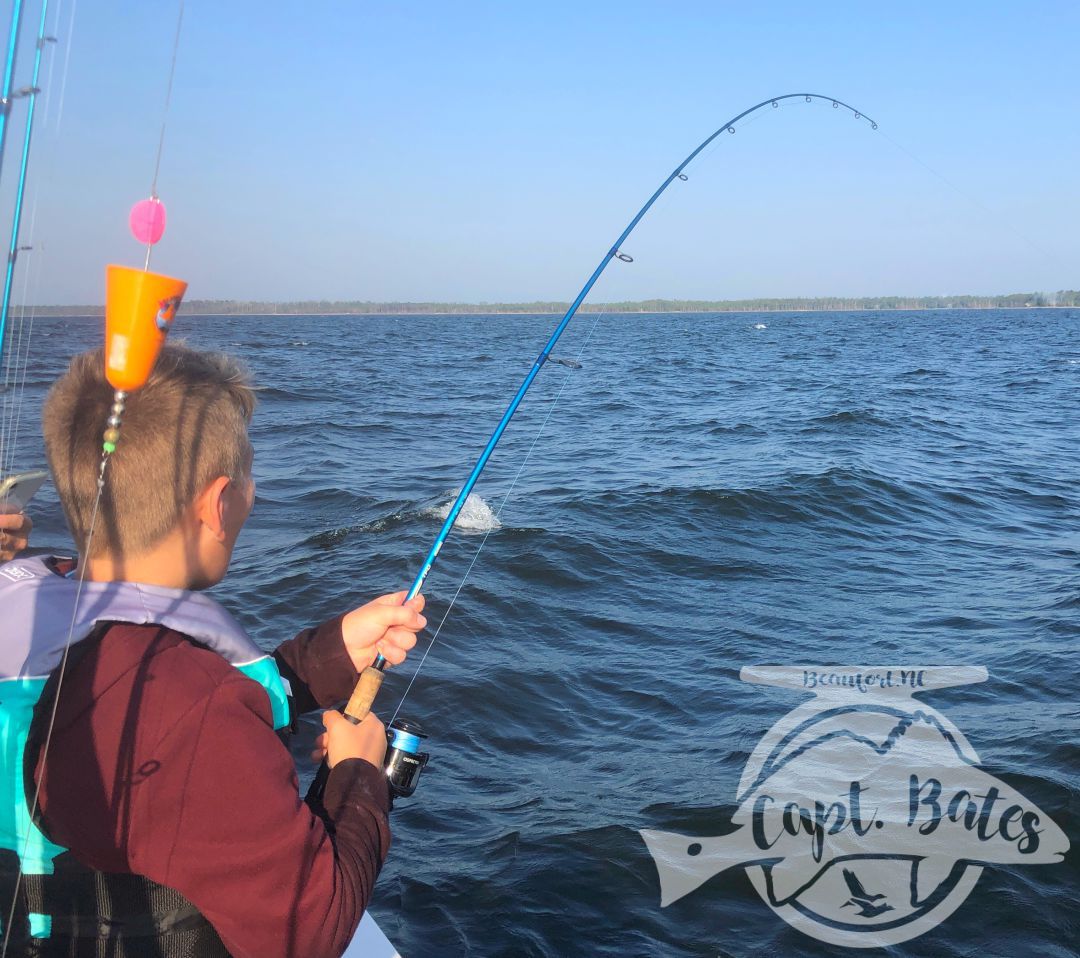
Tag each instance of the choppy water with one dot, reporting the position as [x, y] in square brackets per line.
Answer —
[710, 492]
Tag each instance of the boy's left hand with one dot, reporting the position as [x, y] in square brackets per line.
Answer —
[383, 626]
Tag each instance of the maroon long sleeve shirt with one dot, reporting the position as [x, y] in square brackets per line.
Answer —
[164, 762]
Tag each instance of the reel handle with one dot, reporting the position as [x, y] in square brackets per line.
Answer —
[356, 710]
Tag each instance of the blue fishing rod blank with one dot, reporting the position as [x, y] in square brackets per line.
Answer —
[9, 71]
[614, 252]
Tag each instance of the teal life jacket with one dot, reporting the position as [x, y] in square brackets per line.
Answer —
[59, 899]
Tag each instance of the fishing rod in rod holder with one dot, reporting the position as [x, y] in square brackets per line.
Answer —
[31, 92]
[371, 679]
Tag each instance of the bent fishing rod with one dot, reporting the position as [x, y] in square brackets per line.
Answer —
[359, 704]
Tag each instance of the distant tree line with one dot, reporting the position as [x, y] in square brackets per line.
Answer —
[218, 307]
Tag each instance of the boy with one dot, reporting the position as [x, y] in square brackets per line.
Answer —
[169, 818]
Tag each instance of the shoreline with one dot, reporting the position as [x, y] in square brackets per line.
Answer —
[97, 312]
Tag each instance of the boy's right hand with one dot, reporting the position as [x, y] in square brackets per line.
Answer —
[344, 740]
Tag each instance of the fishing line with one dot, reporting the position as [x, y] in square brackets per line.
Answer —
[67, 59]
[52, 64]
[12, 379]
[165, 120]
[995, 216]
[22, 354]
[749, 121]
[502, 505]
[12, 360]
[62, 669]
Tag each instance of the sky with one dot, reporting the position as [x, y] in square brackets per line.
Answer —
[485, 152]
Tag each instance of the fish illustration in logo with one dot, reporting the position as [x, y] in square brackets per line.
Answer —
[863, 787]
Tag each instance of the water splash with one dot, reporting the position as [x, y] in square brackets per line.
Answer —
[475, 516]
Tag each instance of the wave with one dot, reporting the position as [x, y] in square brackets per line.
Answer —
[850, 417]
[921, 373]
[854, 497]
[738, 429]
[291, 395]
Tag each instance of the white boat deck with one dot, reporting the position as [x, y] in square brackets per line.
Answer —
[370, 942]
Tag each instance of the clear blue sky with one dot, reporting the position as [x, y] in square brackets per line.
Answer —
[492, 151]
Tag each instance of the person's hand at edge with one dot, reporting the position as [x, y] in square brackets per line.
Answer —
[15, 535]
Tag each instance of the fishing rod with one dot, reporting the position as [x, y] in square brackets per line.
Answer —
[359, 704]
[20, 190]
[9, 70]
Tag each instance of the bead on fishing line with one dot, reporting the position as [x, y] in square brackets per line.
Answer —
[111, 436]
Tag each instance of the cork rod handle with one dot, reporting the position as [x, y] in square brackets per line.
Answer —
[359, 704]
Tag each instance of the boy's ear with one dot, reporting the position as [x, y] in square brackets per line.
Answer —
[210, 507]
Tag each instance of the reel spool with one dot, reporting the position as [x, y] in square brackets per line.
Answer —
[404, 760]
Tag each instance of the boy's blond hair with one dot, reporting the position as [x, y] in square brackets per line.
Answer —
[183, 429]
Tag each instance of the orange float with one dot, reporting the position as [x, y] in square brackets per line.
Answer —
[139, 309]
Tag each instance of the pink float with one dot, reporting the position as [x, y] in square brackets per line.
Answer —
[147, 221]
